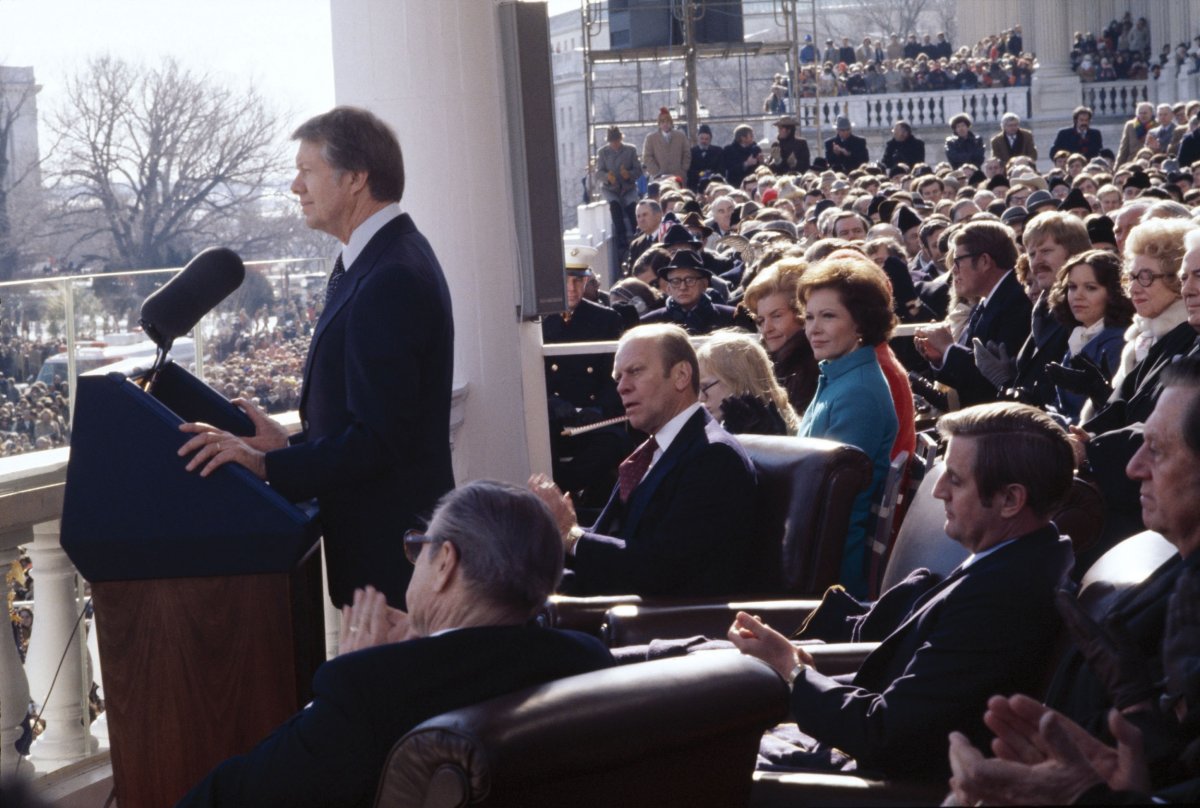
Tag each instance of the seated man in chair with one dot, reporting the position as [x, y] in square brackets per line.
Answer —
[490, 557]
[684, 499]
[990, 625]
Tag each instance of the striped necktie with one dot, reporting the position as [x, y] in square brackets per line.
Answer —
[335, 278]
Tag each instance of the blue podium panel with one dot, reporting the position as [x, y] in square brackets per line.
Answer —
[133, 512]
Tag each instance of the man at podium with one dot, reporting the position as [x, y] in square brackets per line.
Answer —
[374, 446]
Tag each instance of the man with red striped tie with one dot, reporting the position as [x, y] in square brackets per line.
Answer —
[678, 520]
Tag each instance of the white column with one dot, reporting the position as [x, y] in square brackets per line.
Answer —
[433, 70]
[1055, 86]
[14, 687]
[94, 673]
[56, 646]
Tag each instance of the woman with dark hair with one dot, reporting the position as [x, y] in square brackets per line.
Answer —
[771, 298]
[1088, 297]
[847, 313]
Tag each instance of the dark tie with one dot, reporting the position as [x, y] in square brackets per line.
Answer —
[633, 468]
[972, 324]
[335, 277]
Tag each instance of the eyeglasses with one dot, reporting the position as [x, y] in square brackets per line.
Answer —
[684, 283]
[704, 388]
[963, 257]
[413, 540]
[1144, 277]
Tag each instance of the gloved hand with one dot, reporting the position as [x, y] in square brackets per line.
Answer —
[925, 389]
[1111, 652]
[1083, 376]
[1181, 646]
[750, 414]
[994, 362]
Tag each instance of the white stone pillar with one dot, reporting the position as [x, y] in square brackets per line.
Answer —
[93, 672]
[56, 646]
[433, 70]
[1055, 86]
[14, 687]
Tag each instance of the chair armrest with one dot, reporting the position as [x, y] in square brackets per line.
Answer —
[787, 789]
[580, 614]
[672, 732]
[638, 624]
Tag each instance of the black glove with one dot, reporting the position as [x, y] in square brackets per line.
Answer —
[925, 389]
[1082, 376]
[1181, 646]
[749, 414]
[1110, 651]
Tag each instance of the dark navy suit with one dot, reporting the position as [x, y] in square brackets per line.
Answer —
[984, 630]
[1005, 318]
[1068, 140]
[375, 412]
[333, 751]
[685, 529]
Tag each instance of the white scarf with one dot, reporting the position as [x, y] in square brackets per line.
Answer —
[1146, 331]
[1082, 335]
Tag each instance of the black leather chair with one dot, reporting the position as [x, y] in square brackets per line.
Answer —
[806, 488]
[672, 732]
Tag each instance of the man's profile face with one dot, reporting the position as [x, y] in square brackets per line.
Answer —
[1169, 471]
[649, 392]
[967, 518]
[647, 218]
[1083, 120]
[324, 193]
[1189, 277]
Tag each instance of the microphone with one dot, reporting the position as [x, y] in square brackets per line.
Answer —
[174, 309]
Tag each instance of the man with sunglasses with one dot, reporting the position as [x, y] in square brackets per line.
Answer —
[687, 279]
[487, 561]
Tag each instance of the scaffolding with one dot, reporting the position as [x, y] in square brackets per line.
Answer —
[624, 74]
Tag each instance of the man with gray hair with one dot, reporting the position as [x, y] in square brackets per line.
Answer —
[1013, 141]
[1133, 134]
[488, 559]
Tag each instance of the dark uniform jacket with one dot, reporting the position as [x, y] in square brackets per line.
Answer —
[584, 381]
[910, 152]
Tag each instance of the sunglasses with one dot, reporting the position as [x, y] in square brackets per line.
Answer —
[413, 541]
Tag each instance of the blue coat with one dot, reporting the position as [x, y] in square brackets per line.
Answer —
[1105, 350]
[854, 405]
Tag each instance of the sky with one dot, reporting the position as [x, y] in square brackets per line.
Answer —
[282, 47]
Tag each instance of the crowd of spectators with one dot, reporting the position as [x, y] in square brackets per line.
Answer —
[875, 66]
[1121, 52]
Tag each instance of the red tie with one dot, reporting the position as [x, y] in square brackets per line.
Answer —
[633, 468]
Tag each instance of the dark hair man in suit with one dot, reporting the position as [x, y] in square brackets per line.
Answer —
[489, 558]
[1158, 649]
[985, 253]
[986, 627]
[375, 403]
[684, 499]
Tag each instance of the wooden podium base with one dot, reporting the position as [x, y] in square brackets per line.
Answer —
[197, 670]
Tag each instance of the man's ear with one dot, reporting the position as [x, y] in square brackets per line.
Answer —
[445, 565]
[358, 180]
[681, 376]
[1013, 498]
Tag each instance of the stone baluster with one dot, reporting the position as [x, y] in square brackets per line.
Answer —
[14, 687]
[56, 646]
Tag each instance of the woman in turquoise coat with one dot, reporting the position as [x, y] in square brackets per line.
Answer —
[848, 311]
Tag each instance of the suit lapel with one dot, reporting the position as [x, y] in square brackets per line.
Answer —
[355, 273]
[644, 493]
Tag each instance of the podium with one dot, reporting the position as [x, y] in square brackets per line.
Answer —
[207, 590]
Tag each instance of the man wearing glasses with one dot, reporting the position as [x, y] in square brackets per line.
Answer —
[688, 306]
[984, 256]
[488, 560]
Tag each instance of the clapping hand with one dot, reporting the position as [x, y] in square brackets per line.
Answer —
[369, 621]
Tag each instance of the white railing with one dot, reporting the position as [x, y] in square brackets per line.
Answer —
[1116, 99]
[926, 108]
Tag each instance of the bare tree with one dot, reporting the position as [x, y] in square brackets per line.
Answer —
[883, 17]
[159, 160]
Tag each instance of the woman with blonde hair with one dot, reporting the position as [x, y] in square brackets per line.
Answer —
[739, 389]
[771, 299]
